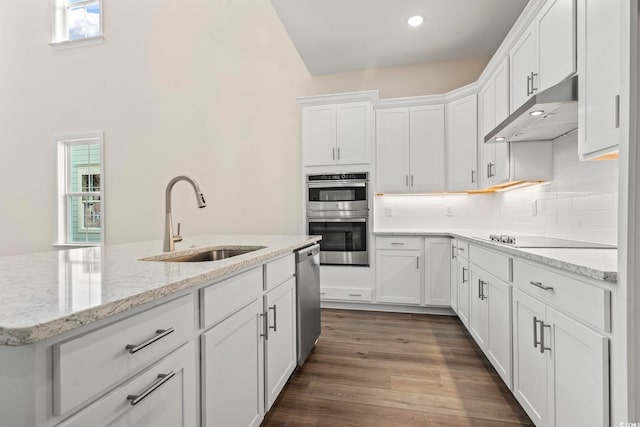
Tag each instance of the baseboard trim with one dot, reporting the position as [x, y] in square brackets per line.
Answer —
[440, 311]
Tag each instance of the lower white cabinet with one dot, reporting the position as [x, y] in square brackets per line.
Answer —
[561, 367]
[437, 271]
[164, 395]
[280, 332]
[399, 276]
[463, 290]
[453, 265]
[233, 369]
[490, 319]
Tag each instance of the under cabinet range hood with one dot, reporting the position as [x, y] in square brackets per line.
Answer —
[545, 116]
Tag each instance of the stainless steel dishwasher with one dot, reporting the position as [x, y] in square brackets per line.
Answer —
[308, 295]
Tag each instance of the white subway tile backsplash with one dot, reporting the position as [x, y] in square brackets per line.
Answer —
[580, 203]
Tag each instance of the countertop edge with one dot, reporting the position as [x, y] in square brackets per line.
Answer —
[604, 276]
[32, 334]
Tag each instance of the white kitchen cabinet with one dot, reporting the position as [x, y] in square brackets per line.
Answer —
[462, 144]
[561, 367]
[490, 319]
[233, 369]
[493, 101]
[399, 274]
[410, 149]
[164, 396]
[454, 266]
[523, 68]
[463, 290]
[280, 361]
[599, 68]
[556, 42]
[337, 134]
[437, 271]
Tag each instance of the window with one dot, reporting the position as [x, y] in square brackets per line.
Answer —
[77, 22]
[80, 190]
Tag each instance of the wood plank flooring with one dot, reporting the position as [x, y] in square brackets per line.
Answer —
[395, 369]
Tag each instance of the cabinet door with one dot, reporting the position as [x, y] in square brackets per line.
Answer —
[463, 292]
[487, 122]
[500, 167]
[455, 266]
[353, 133]
[523, 68]
[462, 141]
[392, 150]
[579, 377]
[233, 370]
[556, 42]
[478, 310]
[437, 271]
[171, 400]
[599, 70]
[399, 276]
[319, 135]
[498, 296]
[281, 357]
[529, 364]
[426, 149]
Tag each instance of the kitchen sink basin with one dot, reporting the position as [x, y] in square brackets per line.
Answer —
[211, 254]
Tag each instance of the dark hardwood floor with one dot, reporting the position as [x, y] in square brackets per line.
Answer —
[391, 369]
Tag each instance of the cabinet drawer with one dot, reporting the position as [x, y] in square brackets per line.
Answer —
[583, 300]
[400, 242]
[170, 404]
[346, 294]
[279, 271]
[462, 250]
[222, 299]
[84, 367]
[497, 264]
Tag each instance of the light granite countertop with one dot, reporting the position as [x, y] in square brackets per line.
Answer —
[599, 264]
[49, 293]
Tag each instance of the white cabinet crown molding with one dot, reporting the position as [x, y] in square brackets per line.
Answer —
[336, 98]
[410, 101]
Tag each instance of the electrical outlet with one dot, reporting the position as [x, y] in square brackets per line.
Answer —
[449, 211]
[534, 208]
[388, 211]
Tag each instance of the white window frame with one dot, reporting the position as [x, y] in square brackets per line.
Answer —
[60, 31]
[64, 193]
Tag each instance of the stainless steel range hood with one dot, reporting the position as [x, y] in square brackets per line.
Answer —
[545, 116]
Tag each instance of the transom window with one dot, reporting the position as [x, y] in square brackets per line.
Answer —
[78, 20]
[80, 189]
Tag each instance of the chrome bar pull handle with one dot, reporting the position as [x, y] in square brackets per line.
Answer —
[338, 153]
[464, 270]
[160, 333]
[134, 399]
[333, 153]
[263, 316]
[406, 180]
[541, 286]
[417, 263]
[355, 295]
[529, 86]
[275, 318]
[412, 180]
[533, 79]
[473, 175]
[535, 332]
[453, 252]
[617, 111]
[397, 243]
[479, 289]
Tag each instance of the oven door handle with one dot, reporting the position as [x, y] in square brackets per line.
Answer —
[329, 185]
[345, 219]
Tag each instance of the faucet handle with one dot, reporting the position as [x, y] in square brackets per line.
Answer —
[177, 237]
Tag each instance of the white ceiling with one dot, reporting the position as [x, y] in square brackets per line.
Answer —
[345, 35]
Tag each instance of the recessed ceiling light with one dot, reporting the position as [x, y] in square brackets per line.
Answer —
[415, 21]
[536, 113]
[500, 138]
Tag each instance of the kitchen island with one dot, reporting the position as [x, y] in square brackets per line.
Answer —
[82, 331]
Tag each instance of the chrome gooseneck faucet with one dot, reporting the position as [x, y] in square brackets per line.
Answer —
[169, 238]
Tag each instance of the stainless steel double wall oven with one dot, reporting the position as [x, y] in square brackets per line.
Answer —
[338, 210]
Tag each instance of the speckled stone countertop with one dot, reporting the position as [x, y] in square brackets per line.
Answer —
[49, 293]
[599, 264]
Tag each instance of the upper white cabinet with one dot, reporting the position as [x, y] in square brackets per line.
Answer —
[462, 147]
[493, 101]
[545, 54]
[599, 77]
[410, 145]
[337, 129]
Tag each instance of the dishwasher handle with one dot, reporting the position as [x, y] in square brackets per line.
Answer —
[303, 254]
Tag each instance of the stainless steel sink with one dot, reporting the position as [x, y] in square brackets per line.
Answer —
[212, 254]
